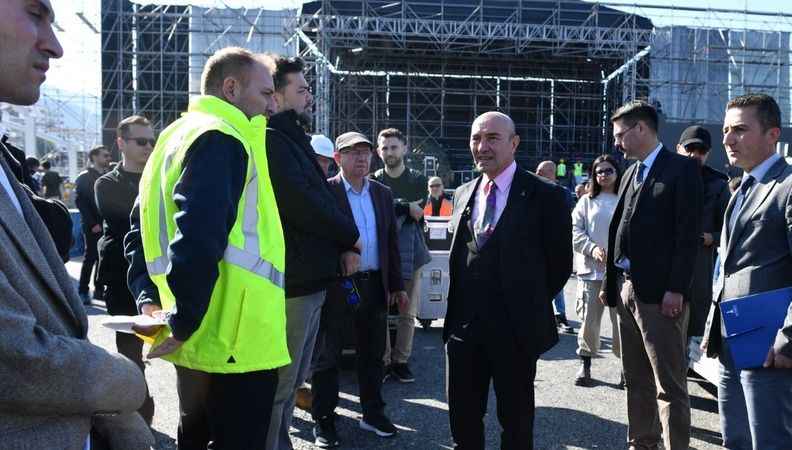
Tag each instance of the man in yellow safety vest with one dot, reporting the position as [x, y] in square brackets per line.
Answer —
[212, 260]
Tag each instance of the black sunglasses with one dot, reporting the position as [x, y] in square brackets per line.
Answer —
[435, 185]
[607, 171]
[141, 141]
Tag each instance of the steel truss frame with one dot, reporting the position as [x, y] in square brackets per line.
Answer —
[356, 56]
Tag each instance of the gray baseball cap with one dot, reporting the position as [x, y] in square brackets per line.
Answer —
[351, 138]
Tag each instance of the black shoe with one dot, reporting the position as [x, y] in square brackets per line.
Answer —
[583, 377]
[379, 424]
[386, 373]
[402, 373]
[563, 325]
[325, 435]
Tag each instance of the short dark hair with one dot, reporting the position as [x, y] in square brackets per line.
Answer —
[46, 165]
[636, 110]
[31, 162]
[767, 110]
[226, 62]
[283, 67]
[123, 127]
[594, 187]
[392, 133]
[95, 151]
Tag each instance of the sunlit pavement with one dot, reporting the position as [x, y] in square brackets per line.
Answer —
[567, 416]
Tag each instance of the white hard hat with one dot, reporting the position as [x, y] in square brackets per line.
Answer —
[322, 145]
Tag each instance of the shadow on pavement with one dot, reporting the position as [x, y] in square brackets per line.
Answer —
[579, 430]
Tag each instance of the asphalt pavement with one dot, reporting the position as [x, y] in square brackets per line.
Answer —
[567, 416]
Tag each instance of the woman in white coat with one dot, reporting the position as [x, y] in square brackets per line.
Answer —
[590, 222]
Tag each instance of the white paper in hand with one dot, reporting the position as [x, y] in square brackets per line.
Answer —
[124, 323]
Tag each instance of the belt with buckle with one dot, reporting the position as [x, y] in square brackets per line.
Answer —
[366, 275]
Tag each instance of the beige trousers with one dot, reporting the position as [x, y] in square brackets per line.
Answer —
[405, 325]
[590, 312]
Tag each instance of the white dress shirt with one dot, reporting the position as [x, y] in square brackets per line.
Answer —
[6, 183]
[503, 182]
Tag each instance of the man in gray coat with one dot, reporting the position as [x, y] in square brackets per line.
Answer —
[57, 387]
[755, 404]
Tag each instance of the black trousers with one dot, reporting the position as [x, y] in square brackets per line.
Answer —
[91, 255]
[474, 357]
[224, 411]
[370, 322]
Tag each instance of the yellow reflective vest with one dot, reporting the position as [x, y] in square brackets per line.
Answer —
[244, 328]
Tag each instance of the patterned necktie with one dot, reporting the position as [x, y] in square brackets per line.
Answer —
[639, 177]
[488, 221]
[745, 186]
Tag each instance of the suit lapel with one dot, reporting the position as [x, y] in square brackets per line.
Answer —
[755, 199]
[22, 230]
[465, 208]
[339, 189]
[648, 183]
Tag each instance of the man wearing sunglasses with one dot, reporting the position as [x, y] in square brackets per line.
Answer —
[695, 143]
[116, 192]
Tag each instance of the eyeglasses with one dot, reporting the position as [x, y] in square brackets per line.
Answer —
[435, 185]
[356, 153]
[620, 136]
[605, 172]
[141, 141]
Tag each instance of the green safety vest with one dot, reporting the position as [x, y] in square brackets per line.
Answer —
[561, 172]
[244, 328]
[578, 169]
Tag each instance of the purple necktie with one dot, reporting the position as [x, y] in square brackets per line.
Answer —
[488, 221]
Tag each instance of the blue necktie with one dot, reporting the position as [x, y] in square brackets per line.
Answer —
[639, 177]
[745, 186]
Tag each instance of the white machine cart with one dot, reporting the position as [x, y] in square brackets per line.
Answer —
[434, 275]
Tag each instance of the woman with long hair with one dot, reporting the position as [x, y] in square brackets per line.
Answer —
[591, 219]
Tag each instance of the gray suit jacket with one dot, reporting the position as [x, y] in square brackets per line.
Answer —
[54, 381]
[757, 257]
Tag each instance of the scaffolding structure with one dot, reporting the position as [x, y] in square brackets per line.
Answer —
[153, 54]
[559, 68]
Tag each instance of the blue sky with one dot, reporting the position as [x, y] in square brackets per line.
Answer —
[79, 70]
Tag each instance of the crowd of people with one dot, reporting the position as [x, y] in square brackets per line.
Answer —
[254, 262]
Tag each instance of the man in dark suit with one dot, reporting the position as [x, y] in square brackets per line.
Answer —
[695, 143]
[510, 254]
[364, 294]
[652, 245]
[755, 404]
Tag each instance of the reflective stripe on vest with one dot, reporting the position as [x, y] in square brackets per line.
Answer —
[247, 258]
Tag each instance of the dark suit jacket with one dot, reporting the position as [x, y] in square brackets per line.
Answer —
[757, 257]
[535, 256]
[665, 230]
[387, 240]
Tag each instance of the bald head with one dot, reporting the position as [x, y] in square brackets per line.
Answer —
[547, 169]
[493, 142]
[498, 118]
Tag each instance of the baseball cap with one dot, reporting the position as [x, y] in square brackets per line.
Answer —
[695, 135]
[322, 145]
[351, 138]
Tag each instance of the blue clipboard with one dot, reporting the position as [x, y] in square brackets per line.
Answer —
[751, 325]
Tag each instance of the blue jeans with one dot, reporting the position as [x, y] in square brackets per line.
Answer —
[755, 406]
[558, 304]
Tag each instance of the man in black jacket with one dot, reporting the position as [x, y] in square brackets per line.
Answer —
[315, 229]
[652, 245]
[695, 143]
[116, 192]
[91, 221]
